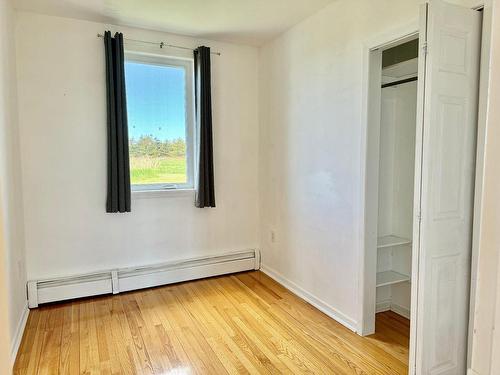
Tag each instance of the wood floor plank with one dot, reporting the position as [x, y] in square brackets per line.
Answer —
[215, 336]
[130, 360]
[211, 302]
[69, 362]
[33, 350]
[276, 336]
[29, 338]
[236, 324]
[351, 359]
[132, 312]
[89, 346]
[318, 325]
[51, 346]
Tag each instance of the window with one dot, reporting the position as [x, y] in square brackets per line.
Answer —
[160, 122]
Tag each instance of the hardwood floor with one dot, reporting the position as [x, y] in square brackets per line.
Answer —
[244, 323]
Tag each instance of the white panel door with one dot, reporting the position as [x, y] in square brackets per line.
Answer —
[446, 147]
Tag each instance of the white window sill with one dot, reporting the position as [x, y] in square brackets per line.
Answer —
[163, 193]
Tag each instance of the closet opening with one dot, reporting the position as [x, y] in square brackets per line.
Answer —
[390, 178]
[396, 170]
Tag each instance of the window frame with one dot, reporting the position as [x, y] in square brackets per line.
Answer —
[188, 65]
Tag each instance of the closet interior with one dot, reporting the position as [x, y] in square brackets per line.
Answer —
[396, 178]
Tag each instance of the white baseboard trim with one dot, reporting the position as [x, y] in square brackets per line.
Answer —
[308, 297]
[398, 309]
[387, 305]
[132, 278]
[18, 335]
[383, 306]
[472, 372]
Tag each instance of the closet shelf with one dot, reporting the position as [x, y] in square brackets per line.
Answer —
[388, 241]
[390, 277]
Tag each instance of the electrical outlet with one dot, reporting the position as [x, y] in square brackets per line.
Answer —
[273, 236]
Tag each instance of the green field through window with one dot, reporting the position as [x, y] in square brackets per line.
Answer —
[158, 170]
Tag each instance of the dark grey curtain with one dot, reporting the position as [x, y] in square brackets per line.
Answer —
[205, 195]
[118, 196]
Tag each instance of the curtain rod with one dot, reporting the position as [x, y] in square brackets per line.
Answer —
[160, 44]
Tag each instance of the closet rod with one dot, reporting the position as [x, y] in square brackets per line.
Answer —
[406, 80]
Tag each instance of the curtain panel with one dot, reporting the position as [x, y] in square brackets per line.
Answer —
[118, 192]
[205, 193]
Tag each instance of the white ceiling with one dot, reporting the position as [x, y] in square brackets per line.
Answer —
[240, 21]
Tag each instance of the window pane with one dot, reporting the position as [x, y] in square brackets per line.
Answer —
[156, 108]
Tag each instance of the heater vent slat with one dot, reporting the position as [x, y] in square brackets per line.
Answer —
[132, 278]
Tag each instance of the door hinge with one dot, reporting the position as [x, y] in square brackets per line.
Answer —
[419, 217]
[425, 48]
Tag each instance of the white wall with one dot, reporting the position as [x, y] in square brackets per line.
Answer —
[311, 139]
[4, 111]
[63, 144]
[311, 134]
[11, 218]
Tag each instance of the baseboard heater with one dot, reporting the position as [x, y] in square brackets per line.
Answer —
[126, 279]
